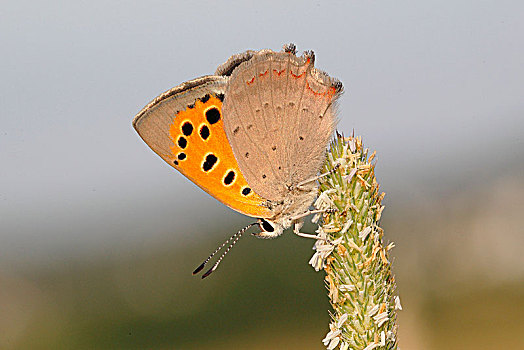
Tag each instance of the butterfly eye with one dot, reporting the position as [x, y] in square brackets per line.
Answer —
[265, 226]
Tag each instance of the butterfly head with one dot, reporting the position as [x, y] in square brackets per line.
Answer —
[252, 135]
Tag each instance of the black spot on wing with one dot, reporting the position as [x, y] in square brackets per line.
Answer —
[209, 162]
[182, 142]
[205, 98]
[187, 128]
[230, 177]
[213, 115]
[204, 132]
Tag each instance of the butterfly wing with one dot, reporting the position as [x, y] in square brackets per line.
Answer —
[185, 127]
[279, 119]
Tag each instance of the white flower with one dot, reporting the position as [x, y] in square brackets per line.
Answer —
[371, 346]
[323, 201]
[317, 262]
[323, 249]
[346, 287]
[346, 227]
[397, 303]
[333, 344]
[342, 320]
[349, 176]
[315, 218]
[364, 233]
[353, 245]
[352, 145]
[381, 318]
[330, 336]
[382, 339]
[373, 310]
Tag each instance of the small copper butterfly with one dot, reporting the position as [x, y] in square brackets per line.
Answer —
[253, 135]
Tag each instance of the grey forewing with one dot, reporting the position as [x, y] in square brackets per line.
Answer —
[275, 121]
[153, 122]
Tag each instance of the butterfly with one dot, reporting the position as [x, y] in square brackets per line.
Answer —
[253, 135]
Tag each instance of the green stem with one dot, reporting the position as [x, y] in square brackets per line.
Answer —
[351, 251]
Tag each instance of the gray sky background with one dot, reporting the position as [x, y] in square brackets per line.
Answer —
[436, 87]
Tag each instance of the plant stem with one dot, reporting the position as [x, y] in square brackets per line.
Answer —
[352, 253]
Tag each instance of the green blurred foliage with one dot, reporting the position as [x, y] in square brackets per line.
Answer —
[459, 279]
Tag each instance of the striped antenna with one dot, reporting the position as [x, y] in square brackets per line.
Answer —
[233, 239]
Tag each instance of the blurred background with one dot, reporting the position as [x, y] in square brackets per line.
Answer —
[98, 236]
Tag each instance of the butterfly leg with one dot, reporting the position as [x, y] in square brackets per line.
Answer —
[298, 223]
[309, 212]
[301, 184]
[296, 230]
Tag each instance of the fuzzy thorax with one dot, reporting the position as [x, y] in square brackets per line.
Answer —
[295, 203]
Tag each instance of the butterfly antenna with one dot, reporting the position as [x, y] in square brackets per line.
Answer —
[233, 239]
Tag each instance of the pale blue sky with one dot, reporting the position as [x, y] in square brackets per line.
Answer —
[436, 87]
